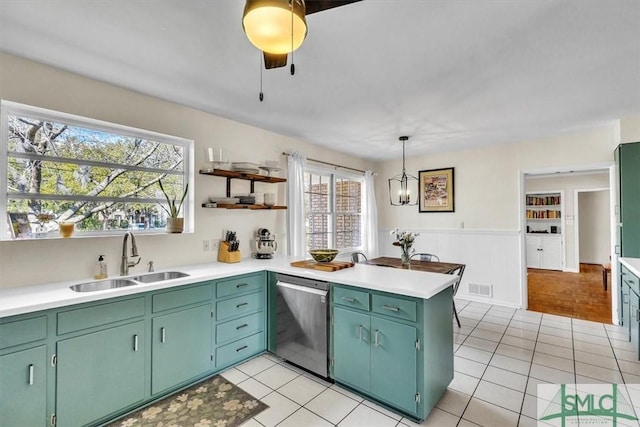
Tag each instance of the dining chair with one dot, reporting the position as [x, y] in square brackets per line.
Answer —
[426, 256]
[358, 257]
[458, 271]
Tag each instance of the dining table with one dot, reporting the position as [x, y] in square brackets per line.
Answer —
[430, 266]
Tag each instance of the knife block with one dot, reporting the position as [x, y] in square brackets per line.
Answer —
[225, 256]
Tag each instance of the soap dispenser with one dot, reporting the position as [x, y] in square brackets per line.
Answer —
[101, 268]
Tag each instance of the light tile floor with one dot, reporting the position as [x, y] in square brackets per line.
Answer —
[501, 355]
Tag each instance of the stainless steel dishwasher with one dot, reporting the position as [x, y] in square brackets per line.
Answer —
[301, 322]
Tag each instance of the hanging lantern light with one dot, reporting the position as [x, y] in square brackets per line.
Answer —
[403, 188]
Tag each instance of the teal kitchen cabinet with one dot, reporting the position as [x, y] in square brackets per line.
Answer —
[241, 318]
[628, 164]
[23, 387]
[100, 373]
[181, 347]
[352, 347]
[181, 338]
[375, 353]
[630, 285]
[394, 363]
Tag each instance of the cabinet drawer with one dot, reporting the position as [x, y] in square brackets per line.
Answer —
[395, 307]
[23, 331]
[240, 328]
[239, 305]
[180, 297]
[239, 350]
[351, 298]
[630, 279]
[239, 285]
[97, 315]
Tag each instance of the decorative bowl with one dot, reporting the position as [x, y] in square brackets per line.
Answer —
[323, 255]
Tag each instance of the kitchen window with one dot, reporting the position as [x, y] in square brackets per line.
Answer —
[333, 209]
[101, 176]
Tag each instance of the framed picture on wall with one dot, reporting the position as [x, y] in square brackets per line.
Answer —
[436, 190]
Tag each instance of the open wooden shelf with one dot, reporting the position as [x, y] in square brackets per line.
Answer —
[239, 206]
[253, 178]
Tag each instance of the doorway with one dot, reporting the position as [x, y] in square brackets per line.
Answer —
[570, 285]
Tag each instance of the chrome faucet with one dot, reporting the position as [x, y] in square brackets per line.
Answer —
[125, 263]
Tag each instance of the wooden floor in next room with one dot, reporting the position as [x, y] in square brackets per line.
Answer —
[578, 295]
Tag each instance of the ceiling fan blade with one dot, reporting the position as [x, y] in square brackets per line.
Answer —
[274, 60]
[314, 6]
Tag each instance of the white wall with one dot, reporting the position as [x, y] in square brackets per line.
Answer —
[487, 200]
[594, 230]
[569, 184]
[30, 262]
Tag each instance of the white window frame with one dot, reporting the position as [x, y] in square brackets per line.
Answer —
[334, 173]
[13, 108]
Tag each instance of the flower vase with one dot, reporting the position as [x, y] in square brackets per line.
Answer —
[405, 254]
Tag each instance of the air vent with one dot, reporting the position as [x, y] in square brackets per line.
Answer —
[480, 290]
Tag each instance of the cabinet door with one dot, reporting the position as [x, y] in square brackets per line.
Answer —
[394, 363]
[533, 252]
[551, 253]
[351, 350]
[629, 160]
[99, 373]
[634, 318]
[23, 387]
[181, 347]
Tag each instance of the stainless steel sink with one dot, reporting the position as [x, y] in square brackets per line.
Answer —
[101, 285]
[159, 277]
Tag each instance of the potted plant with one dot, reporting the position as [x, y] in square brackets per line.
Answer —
[175, 224]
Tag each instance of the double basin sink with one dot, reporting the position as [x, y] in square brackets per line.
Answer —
[101, 285]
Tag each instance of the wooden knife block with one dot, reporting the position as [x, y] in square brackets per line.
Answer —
[225, 256]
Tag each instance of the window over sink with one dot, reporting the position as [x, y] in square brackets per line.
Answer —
[102, 177]
[333, 209]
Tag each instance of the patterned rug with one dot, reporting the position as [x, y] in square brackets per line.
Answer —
[213, 402]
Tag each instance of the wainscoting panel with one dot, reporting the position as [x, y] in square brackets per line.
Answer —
[492, 258]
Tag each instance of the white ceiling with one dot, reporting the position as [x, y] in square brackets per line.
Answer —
[451, 74]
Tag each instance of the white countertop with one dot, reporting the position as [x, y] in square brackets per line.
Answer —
[632, 264]
[26, 299]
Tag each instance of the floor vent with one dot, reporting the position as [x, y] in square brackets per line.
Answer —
[480, 290]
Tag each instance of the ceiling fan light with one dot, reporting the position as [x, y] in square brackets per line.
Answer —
[267, 24]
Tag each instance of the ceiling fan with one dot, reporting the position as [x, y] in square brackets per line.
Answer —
[269, 23]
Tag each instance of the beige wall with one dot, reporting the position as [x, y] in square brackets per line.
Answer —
[594, 227]
[30, 262]
[569, 184]
[487, 179]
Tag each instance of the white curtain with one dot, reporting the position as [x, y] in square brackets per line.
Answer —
[370, 216]
[296, 233]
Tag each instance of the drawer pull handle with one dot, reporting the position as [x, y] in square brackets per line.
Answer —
[348, 299]
[244, 347]
[360, 332]
[242, 304]
[135, 342]
[31, 369]
[163, 335]
[377, 338]
[241, 326]
[240, 285]
[625, 299]
[388, 307]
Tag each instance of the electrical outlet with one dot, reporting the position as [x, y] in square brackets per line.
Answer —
[206, 246]
[215, 243]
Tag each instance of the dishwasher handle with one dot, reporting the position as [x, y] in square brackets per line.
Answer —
[302, 288]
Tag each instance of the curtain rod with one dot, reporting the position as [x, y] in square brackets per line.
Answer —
[329, 164]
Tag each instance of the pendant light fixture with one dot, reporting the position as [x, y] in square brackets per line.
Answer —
[275, 26]
[402, 186]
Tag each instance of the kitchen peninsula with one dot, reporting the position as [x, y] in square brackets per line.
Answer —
[53, 333]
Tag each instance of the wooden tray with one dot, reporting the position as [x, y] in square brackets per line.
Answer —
[322, 266]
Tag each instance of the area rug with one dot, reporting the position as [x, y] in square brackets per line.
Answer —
[213, 402]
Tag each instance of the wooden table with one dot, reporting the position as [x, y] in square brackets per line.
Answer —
[430, 266]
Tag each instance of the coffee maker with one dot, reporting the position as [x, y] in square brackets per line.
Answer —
[265, 244]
